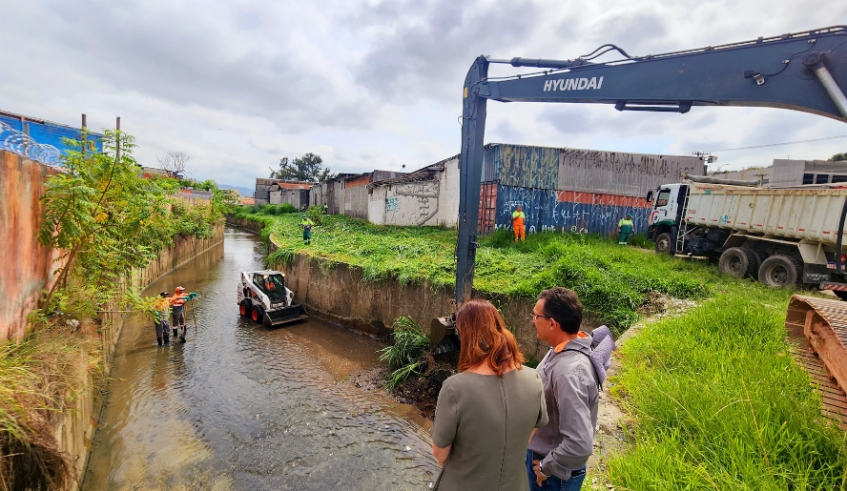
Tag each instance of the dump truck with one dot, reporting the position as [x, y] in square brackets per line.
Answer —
[263, 296]
[780, 236]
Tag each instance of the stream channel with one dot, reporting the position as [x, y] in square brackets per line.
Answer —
[240, 406]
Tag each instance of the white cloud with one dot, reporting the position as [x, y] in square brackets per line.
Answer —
[366, 84]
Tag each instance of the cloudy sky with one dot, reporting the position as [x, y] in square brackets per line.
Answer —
[373, 85]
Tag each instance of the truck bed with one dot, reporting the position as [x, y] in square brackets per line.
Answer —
[795, 213]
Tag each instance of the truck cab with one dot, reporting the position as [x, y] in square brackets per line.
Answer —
[663, 224]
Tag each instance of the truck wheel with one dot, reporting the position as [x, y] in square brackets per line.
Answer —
[760, 258]
[738, 262]
[244, 309]
[663, 243]
[258, 315]
[780, 271]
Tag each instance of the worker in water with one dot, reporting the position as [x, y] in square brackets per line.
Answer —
[518, 224]
[307, 225]
[162, 307]
[178, 311]
[625, 226]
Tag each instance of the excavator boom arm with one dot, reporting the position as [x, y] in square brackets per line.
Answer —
[804, 71]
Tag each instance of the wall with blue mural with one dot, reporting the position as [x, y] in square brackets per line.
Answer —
[41, 141]
[544, 211]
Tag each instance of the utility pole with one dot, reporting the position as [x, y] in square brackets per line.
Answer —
[118, 140]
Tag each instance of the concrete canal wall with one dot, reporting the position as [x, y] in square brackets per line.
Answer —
[76, 424]
[336, 291]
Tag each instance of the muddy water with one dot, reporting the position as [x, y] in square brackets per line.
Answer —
[240, 406]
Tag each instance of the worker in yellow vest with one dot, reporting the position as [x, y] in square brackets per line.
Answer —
[518, 224]
[625, 227]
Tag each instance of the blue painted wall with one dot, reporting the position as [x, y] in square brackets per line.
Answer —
[544, 212]
[43, 142]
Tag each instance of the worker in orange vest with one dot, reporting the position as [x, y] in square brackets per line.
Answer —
[517, 224]
[178, 311]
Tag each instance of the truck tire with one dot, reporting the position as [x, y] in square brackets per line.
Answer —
[664, 244]
[258, 315]
[738, 262]
[760, 258]
[780, 271]
[244, 308]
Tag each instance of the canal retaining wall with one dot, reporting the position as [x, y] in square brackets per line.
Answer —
[337, 291]
[75, 426]
[26, 267]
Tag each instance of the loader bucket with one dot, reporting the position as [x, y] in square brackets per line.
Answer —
[443, 334]
[288, 315]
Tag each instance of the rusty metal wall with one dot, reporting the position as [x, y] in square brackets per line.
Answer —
[526, 167]
[619, 173]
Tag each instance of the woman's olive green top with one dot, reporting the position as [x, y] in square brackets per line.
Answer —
[488, 419]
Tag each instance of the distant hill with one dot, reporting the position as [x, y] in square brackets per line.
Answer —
[243, 191]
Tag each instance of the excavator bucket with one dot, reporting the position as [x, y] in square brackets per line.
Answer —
[288, 315]
[443, 334]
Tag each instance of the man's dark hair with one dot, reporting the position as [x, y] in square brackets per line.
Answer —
[563, 306]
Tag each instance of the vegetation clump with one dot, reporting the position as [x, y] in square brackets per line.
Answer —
[406, 355]
[718, 403]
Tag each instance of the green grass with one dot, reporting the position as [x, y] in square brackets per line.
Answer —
[719, 404]
[715, 399]
[37, 378]
[611, 280]
[405, 355]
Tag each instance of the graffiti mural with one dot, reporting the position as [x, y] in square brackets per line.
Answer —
[426, 197]
[619, 173]
[17, 142]
[392, 204]
[528, 167]
[569, 211]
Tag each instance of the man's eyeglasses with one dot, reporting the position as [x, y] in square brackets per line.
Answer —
[534, 316]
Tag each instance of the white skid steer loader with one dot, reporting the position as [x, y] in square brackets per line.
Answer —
[263, 296]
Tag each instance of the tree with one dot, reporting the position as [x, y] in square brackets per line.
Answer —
[175, 163]
[309, 167]
[838, 157]
[104, 217]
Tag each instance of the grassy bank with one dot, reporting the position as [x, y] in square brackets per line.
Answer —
[718, 403]
[612, 281]
[715, 399]
[38, 379]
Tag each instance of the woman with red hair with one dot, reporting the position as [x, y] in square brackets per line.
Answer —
[487, 413]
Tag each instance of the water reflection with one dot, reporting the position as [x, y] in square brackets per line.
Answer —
[240, 406]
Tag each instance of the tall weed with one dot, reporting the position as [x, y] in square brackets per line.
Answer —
[719, 404]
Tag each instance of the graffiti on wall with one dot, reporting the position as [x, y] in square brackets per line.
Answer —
[426, 198]
[568, 211]
[392, 204]
[620, 173]
[528, 167]
[17, 142]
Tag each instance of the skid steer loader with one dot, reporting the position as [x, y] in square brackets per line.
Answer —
[263, 296]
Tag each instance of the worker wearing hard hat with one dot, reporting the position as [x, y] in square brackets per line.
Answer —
[178, 311]
[518, 217]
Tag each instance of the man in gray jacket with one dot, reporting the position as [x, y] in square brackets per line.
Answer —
[557, 453]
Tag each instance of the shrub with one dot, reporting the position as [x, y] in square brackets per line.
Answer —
[404, 357]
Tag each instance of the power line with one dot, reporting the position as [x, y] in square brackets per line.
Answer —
[779, 144]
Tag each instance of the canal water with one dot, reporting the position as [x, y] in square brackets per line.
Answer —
[243, 407]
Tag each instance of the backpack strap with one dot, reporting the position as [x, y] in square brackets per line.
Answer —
[590, 362]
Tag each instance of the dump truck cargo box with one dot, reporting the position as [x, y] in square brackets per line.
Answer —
[795, 213]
